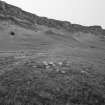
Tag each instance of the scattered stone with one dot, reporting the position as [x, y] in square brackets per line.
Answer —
[63, 72]
[60, 63]
[84, 72]
[45, 63]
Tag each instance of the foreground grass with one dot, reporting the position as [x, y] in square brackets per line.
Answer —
[28, 85]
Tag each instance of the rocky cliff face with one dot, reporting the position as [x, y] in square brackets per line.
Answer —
[24, 18]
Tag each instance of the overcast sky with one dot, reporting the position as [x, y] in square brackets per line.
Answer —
[85, 12]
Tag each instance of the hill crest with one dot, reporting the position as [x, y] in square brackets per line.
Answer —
[20, 16]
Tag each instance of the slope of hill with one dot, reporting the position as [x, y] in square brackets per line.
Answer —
[32, 31]
[20, 30]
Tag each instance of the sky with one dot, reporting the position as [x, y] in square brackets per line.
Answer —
[84, 12]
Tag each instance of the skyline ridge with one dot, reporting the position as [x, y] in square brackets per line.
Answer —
[17, 12]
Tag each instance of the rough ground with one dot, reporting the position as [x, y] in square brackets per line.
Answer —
[25, 80]
[49, 62]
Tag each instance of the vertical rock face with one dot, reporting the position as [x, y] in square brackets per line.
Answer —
[16, 14]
